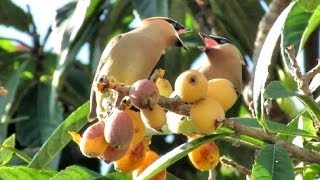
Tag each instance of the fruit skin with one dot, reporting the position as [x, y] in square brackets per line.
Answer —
[113, 153]
[191, 86]
[204, 115]
[205, 157]
[179, 124]
[119, 129]
[223, 91]
[139, 127]
[133, 158]
[155, 117]
[92, 142]
[150, 157]
[164, 86]
[144, 94]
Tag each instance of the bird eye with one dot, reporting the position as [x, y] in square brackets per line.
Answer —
[223, 41]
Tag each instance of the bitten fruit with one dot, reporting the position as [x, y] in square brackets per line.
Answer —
[191, 86]
[144, 94]
[205, 115]
[205, 157]
[92, 142]
[119, 129]
[223, 91]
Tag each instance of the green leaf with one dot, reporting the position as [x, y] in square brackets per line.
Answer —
[176, 154]
[37, 129]
[146, 8]
[60, 137]
[11, 84]
[7, 45]
[5, 154]
[75, 172]
[13, 15]
[116, 175]
[309, 5]
[313, 24]
[25, 173]
[293, 29]
[264, 61]
[272, 162]
[274, 127]
[311, 172]
[276, 90]
[78, 30]
[311, 106]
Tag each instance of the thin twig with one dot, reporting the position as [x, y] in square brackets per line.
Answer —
[308, 76]
[303, 85]
[228, 162]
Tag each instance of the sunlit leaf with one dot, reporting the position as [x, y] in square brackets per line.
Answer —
[309, 5]
[264, 61]
[276, 90]
[75, 172]
[116, 175]
[274, 127]
[311, 172]
[293, 30]
[25, 173]
[272, 162]
[5, 154]
[313, 24]
[60, 137]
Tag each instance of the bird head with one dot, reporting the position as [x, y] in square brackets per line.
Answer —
[177, 28]
[212, 42]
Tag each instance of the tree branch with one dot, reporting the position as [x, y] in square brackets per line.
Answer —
[177, 106]
[228, 162]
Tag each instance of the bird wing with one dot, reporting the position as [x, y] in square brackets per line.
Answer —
[93, 103]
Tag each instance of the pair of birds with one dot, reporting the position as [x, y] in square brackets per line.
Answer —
[131, 56]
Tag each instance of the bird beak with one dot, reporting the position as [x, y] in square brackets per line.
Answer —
[209, 42]
[180, 43]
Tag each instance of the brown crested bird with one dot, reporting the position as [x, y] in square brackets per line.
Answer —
[224, 60]
[131, 56]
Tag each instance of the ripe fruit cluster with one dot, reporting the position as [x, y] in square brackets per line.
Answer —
[120, 137]
[210, 99]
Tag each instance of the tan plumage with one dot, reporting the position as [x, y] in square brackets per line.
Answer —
[224, 60]
[131, 56]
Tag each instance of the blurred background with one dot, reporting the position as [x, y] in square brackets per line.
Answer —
[49, 51]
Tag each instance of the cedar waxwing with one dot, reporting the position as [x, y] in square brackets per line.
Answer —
[224, 60]
[131, 56]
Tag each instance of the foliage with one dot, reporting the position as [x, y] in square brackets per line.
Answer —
[48, 90]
